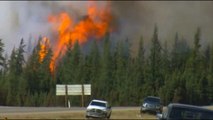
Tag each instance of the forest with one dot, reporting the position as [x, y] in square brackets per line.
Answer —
[182, 74]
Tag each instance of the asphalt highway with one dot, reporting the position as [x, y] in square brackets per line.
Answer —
[7, 109]
[69, 113]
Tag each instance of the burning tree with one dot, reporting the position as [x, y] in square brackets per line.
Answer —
[94, 25]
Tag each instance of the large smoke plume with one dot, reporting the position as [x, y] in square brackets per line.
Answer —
[24, 19]
[184, 17]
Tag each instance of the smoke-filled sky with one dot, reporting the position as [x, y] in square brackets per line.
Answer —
[24, 18]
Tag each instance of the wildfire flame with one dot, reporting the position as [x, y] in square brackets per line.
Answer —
[95, 24]
[44, 45]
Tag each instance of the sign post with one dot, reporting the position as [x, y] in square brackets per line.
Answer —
[77, 89]
[82, 99]
[66, 97]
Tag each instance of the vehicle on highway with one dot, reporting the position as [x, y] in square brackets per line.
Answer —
[98, 109]
[183, 111]
[151, 104]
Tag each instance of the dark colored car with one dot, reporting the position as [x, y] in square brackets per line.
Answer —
[177, 111]
[151, 104]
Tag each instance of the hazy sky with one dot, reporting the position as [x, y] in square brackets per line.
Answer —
[23, 18]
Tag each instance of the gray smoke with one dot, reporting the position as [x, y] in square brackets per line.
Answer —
[139, 17]
[22, 19]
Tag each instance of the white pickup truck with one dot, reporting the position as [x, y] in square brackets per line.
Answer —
[98, 109]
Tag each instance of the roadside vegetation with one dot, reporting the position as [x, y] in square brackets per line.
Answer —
[182, 74]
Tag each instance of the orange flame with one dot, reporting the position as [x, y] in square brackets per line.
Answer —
[95, 24]
[44, 45]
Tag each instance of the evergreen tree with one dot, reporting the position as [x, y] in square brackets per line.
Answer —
[120, 72]
[12, 61]
[207, 54]
[128, 79]
[3, 69]
[174, 54]
[64, 68]
[20, 57]
[165, 69]
[140, 70]
[22, 85]
[12, 80]
[29, 46]
[31, 70]
[210, 77]
[105, 78]
[44, 72]
[76, 61]
[155, 63]
[196, 51]
[2, 59]
[5, 65]
[94, 65]
[195, 71]
[180, 54]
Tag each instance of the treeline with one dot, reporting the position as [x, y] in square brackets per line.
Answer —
[181, 74]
